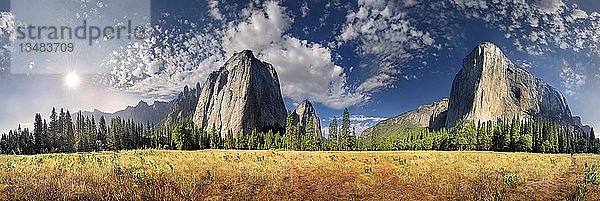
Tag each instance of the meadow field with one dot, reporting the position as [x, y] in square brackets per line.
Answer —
[295, 175]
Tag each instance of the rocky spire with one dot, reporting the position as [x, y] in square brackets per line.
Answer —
[301, 114]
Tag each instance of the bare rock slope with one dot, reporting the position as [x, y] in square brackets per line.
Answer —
[431, 116]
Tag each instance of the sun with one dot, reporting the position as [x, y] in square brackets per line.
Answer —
[72, 80]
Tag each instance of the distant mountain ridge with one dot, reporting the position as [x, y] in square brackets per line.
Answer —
[159, 113]
[141, 113]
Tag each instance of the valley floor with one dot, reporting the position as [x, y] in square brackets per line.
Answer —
[292, 175]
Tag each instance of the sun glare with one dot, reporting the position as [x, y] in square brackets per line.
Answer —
[72, 80]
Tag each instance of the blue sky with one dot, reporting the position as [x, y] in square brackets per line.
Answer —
[378, 58]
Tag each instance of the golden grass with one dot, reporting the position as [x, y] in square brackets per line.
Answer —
[291, 175]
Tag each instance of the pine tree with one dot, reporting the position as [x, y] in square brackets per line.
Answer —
[214, 143]
[93, 135]
[471, 135]
[45, 140]
[291, 134]
[515, 133]
[278, 141]
[479, 136]
[487, 137]
[345, 131]
[311, 141]
[183, 136]
[69, 134]
[252, 140]
[269, 140]
[102, 132]
[333, 134]
[229, 140]
[38, 133]
[592, 139]
[352, 139]
[241, 141]
[53, 131]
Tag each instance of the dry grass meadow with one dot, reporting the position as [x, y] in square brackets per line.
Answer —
[292, 175]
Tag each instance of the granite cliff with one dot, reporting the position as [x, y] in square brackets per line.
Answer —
[489, 86]
[241, 96]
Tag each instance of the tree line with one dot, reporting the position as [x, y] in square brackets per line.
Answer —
[64, 133]
[67, 133]
[500, 135]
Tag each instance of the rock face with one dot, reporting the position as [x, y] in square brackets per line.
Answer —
[429, 115]
[241, 96]
[432, 116]
[587, 129]
[489, 86]
[184, 105]
[302, 113]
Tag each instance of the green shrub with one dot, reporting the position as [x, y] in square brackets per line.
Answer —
[499, 196]
[511, 178]
[139, 175]
[591, 174]
[579, 195]
[368, 170]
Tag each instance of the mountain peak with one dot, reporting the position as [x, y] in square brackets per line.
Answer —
[143, 103]
[485, 55]
[486, 44]
[244, 54]
[305, 103]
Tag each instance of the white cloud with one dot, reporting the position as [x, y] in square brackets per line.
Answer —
[304, 9]
[384, 31]
[361, 117]
[357, 122]
[7, 24]
[160, 66]
[7, 27]
[306, 69]
[409, 3]
[578, 14]
[549, 6]
[361, 126]
[536, 26]
[571, 78]
[213, 5]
